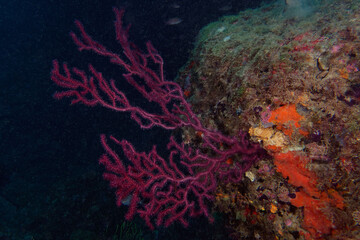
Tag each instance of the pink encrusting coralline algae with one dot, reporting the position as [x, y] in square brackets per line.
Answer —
[161, 191]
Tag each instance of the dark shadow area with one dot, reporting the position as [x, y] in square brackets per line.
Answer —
[50, 181]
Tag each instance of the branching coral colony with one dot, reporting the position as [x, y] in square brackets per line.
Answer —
[169, 189]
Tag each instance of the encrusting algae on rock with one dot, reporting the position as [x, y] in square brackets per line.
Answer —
[292, 81]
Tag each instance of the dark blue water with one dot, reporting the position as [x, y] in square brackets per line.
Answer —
[51, 185]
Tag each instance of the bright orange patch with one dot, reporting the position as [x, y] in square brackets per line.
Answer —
[284, 117]
[272, 148]
[273, 208]
[293, 166]
[199, 134]
[304, 133]
[315, 221]
[229, 161]
[344, 73]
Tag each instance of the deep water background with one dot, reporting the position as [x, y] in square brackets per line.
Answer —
[50, 181]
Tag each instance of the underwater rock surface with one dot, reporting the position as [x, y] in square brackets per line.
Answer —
[290, 77]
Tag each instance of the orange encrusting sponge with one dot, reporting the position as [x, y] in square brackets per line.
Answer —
[293, 166]
[286, 116]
